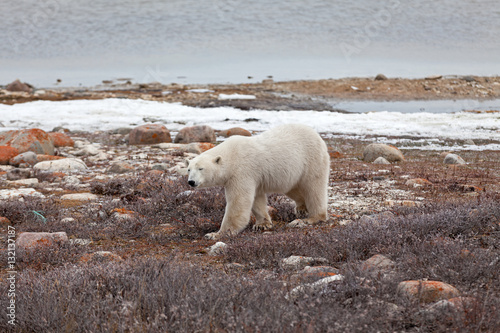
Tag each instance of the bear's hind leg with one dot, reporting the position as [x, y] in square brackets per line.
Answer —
[259, 210]
[237, 214]
[316, 200]
[300, 209]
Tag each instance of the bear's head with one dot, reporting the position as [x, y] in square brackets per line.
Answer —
[205, 170]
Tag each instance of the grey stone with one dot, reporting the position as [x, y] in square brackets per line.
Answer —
[65, 165]
[375, 150]
[453, 159]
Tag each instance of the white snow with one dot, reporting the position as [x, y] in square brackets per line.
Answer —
[107, 114]
[236, 96]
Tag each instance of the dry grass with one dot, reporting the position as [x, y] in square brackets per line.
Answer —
[167, 282]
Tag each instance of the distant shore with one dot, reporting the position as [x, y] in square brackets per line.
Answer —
[271, 95]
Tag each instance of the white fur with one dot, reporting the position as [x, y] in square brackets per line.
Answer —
[289, 159]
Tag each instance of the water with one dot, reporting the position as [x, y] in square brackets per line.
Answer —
[82, 43]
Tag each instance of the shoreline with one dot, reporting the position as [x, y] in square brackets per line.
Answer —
[270, 95]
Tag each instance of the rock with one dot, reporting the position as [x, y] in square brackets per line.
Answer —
[416, 182]
[41, 157]
[234, 131]
[80, 241]
[381, 160]
[19, 86]
[315, 287]
[378, 265]
[462, 308]
[311, 274]
[217, 249]
[4, 222]
[65, 164]
[434, 77]
[375, 150]
[6, 153]
[453, 159]
[121, 167]
[122, 130]
[470, 142]
[377, 219]
[71, 180]
[427, 291]
[29, 158]
[79, 197]
[88, 150]
[61, 139]
[34, 140]
[122, 214]
[193, 148]
[380, 77]
[299, 262]
[24, 182]
[203, 146]
[195, 134]
[149, 134]
[468, 78]
[20, 192]
[34, 240]
[160, 166]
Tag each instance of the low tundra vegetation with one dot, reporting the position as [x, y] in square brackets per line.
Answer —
[166, 281]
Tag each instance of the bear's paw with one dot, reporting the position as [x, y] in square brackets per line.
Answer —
[213, 235]
[263, 226]
[298, 223]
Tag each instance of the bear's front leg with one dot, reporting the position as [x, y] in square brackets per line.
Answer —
[260, 211]
[239, 203]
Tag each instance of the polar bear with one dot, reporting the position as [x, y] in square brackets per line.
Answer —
[290, 159]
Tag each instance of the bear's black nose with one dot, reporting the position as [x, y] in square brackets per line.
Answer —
[191, 183]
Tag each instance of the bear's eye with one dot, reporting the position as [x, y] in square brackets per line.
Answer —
[189, 170]
[200, 169]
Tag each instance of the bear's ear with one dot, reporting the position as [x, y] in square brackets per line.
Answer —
[218, 160]
[186, 163]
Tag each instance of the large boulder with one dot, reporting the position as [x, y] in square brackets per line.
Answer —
[200, 133]
[149, 134]
[61, 139]
[234, 131]
[18, 86]
[28, 157]
[376, 150]
[35, 140]
[32, 241]
[427, 291]
[6, 153]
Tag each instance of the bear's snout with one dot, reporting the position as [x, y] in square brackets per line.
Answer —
[192, 183]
